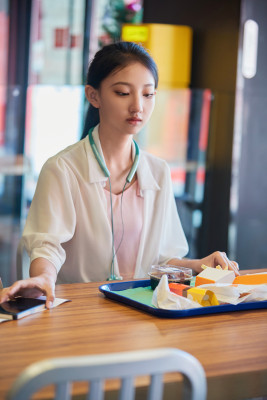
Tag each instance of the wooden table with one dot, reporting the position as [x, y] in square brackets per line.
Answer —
[232, 347]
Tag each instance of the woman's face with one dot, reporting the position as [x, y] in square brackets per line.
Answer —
[126, 99]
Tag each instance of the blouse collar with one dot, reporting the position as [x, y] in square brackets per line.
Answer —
[145, 175]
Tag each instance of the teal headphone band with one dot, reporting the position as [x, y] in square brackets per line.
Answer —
[135, 163]
[102, 164]
[100, 160]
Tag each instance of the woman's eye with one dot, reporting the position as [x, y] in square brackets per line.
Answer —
[122, 93]
[149, 95]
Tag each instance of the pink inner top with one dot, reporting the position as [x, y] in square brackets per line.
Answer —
[132, 216]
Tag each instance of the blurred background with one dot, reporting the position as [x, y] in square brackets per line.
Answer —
[209, 122]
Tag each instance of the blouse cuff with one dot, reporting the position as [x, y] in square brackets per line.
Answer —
[44, 253]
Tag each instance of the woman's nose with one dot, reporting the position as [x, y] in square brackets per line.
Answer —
[136, 105]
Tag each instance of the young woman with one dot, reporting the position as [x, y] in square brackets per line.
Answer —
[103, 208]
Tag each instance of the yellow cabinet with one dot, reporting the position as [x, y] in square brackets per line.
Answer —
[171, 48]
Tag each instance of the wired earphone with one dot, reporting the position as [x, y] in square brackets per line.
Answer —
[129, 178]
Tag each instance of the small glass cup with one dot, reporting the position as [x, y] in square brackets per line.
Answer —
[174, 273]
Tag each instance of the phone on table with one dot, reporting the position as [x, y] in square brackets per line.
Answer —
[20, 307]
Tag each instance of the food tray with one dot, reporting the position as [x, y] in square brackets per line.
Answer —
[111, 290]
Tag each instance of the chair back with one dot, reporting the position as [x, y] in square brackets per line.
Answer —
[125, 365]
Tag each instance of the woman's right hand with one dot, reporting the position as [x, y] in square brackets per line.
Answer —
[42, 283]
[31, 287]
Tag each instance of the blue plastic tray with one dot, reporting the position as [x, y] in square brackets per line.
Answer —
[109, 289]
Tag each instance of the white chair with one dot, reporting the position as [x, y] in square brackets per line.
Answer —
[22, 261]
[124, 365]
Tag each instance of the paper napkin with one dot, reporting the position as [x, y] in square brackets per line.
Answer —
[165, 299]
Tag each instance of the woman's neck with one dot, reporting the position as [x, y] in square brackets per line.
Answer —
[117, 151]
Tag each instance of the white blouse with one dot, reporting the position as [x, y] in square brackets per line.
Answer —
[68, 222]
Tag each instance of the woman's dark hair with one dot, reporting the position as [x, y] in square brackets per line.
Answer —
[107, 60]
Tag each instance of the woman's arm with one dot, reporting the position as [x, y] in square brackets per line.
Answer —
[214, 259]
[42, 280]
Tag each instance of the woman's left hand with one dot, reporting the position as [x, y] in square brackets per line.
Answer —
[219, 258]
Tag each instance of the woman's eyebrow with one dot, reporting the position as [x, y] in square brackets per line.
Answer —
[129, 84]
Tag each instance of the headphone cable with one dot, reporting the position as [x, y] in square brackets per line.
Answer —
[112, 275]
[119, 245]
[114, 252]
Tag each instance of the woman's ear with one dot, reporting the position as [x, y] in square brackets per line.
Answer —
[92, 95]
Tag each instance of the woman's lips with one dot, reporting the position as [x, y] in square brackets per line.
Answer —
[134, 121]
